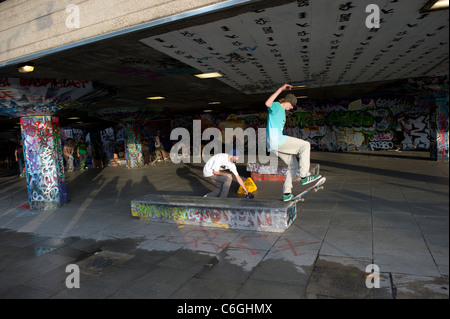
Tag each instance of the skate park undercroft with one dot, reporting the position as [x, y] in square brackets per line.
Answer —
[110, 110]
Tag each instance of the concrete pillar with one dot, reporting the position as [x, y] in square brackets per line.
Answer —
[43, 162]
[442, 128]
[96, 149]
[133, 145]
[438, 125]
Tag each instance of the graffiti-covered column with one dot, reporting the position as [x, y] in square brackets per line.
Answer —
[43, 162]
[442, 128]
[438, 126]
[133, 145]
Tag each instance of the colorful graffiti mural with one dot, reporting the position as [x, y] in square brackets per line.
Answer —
[351, 125]
[442, 128]
[360, 125]
[43, 162]
[366, 124]
[250, 218]
[28, 97]
[133, 146]
[108, 141]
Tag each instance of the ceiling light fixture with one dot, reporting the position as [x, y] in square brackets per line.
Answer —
[209, 75]
[25, 67]
[302, 97]
[74, 118]
[214, 103]
[435, 5]
[207, 111]
[156, 98]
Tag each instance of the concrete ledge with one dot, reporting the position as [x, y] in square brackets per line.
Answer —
[235, 213]
[270, 177]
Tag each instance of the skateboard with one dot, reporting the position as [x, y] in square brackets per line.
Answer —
[153, 163]
[315, 187]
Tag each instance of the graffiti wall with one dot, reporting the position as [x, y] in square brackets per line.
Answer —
[363, 124]
[366, 124]
[43, 162]
[108, 142]
[133, 145]
[73, 133]
[442, 128]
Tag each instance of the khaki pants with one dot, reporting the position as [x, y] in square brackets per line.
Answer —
[288, 153]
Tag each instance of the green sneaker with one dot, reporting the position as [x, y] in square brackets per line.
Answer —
[309, 179]
[288, 197]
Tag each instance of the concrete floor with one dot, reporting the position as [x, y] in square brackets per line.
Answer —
[385, 208]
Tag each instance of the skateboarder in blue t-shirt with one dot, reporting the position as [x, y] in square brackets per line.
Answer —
[286, 147]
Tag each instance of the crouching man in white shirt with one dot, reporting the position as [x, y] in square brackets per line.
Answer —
[214, 170]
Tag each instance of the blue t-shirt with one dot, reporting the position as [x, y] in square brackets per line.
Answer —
[275, 126]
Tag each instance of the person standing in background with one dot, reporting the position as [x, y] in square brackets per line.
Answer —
[20, 158]
[82, 153]
[399, 133]
[145, 151]
[97, 155]
[68, 154]
[159, 149]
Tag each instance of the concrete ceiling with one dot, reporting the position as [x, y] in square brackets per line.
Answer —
[322, 44]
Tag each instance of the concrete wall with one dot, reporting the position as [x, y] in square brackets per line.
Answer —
[28, 27]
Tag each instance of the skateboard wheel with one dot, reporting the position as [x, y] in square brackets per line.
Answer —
[302, 200]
